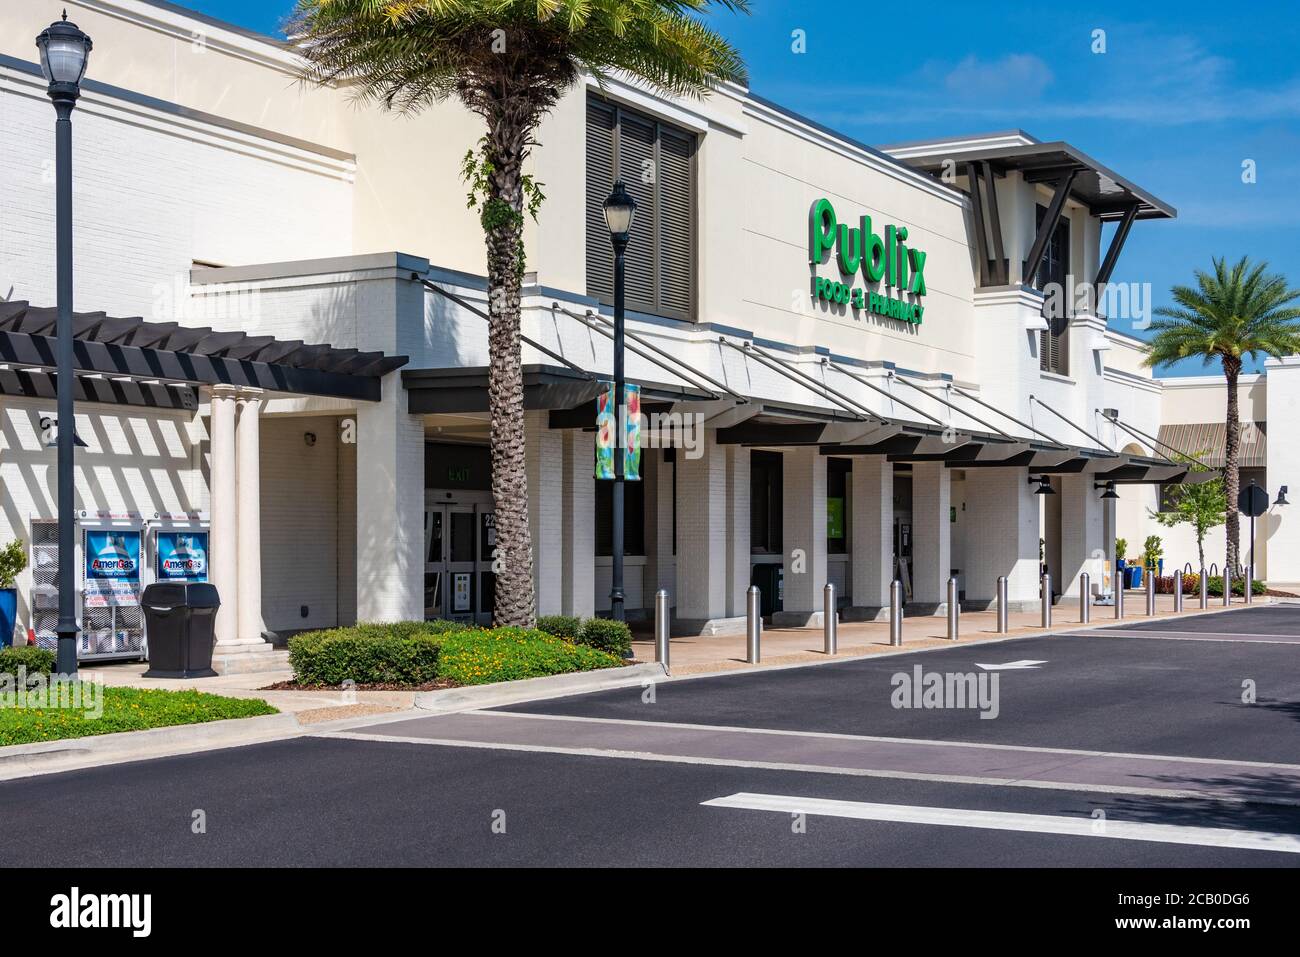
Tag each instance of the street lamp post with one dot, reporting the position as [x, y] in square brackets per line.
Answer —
[64, 51]
[620, 211]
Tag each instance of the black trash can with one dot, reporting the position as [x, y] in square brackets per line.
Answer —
[180, 626]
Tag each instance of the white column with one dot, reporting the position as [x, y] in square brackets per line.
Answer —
[578, 491]
[225, 529]
[872, 535]
[803, 534]
[248, 480]
[658, 477]
[931, 535]
[543, 462]
[390, 508]
[1002, 529]
[737, 505]
[702, 541]
[1083, 533]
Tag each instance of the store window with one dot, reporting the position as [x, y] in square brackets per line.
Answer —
[656, 162]
[1053, 343]
[633, 518]
[765, 490]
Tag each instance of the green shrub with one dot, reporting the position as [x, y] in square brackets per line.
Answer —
[607, 635]
[404, 652]
[37, 661]
[13, 559]
[479, 656]
[561, 626]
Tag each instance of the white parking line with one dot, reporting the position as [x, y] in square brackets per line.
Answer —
[1008, 821]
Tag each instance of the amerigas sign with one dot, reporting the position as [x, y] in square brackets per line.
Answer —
[879, 258]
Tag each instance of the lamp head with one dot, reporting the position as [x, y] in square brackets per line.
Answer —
[65, 51]
[620, 211]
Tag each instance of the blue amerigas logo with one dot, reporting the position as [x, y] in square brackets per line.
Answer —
[878, 257]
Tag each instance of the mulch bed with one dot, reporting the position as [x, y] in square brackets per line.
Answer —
[436, 685]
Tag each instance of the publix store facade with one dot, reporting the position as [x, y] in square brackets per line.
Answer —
[852, 364]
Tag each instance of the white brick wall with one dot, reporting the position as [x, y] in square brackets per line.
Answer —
[543, 452]
[578, 577]
[739, 568]
[390, 509]
[1002, 527]
[803, 530]
[872, 530]
[1083, 533]
[931, 532]
[301, 553]
[151, 195]
[702, 533]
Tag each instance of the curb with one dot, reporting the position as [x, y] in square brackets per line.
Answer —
[47, 757]
[533, 689]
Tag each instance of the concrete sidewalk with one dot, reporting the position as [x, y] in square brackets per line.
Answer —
[786, 646]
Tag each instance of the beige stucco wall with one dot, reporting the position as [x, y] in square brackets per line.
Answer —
[1205, 398]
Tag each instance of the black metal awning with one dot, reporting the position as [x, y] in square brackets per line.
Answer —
[133, 361]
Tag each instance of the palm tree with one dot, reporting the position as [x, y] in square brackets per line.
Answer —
[1234, 313]
[509, 61]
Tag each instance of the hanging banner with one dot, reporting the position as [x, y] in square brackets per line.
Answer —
[182, 556]
[607, 430]
[112, 568]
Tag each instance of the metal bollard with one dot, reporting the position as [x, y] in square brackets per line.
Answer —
[661, 627]
[1085, 598]
[954, 609]
[1248, 581]
[1205, 589]
[896, 612]
[1178, 593]
[753, 624]
[1045, 583]
[1004, 618]
[1119, 598]
[830, 628]
[1227, 586]
[1151, 594]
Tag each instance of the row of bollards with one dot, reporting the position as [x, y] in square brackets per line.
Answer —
[830, 618]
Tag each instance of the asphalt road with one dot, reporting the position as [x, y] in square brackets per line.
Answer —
[790, 767]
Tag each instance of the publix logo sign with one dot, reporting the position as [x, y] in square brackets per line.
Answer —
[877, 257]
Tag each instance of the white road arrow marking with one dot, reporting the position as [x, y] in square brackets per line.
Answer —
[1008, 821]
[1012, 665]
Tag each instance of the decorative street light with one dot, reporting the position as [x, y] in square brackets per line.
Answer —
[64, 53]
[620, 211]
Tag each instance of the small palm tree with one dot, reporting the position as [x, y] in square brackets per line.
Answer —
[1234, 313]
[509, 61]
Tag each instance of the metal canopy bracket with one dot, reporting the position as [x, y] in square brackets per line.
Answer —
[1048, 226]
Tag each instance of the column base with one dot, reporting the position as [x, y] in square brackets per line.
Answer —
[865, 613]
[702, 627]
[798, 619]
[925, 609]
[237, 646]
[1015, 606]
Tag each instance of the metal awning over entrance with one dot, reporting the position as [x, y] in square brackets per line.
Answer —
[131, 361]
[941, 422]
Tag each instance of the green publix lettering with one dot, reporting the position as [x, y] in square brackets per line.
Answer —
[856, 249]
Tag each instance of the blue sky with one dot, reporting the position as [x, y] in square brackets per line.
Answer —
[1183, 95]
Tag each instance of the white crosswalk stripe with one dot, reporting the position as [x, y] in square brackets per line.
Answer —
[1008, 821]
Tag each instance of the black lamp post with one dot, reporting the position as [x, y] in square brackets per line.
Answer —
[620, 211]
[64, 52]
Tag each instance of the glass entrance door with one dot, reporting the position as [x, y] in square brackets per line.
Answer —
[458, 562]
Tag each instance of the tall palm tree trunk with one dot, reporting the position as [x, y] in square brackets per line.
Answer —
[1231, 455]
[503, 230]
